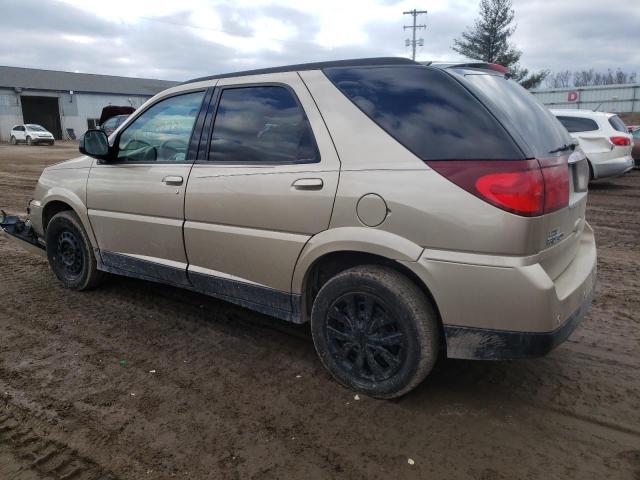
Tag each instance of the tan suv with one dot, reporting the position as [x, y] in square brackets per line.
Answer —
[405, 210]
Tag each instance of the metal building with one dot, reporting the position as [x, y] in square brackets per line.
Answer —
[63, 100]
[604, 98]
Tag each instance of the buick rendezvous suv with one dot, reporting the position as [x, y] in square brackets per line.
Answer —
[406, 211]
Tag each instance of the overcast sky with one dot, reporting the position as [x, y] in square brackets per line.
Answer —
[181, 39]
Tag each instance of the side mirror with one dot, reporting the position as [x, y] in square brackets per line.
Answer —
[95, 143]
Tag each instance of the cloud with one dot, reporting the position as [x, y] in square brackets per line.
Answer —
[181, 40]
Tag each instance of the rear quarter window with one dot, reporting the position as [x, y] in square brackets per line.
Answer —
[427, 111]
[521, 112]
[576, 124]
[618, 124]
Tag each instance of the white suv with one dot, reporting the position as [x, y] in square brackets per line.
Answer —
[31, 134]
[604, 139]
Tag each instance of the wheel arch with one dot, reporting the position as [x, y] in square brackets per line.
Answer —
[59, 200]
[333, 251]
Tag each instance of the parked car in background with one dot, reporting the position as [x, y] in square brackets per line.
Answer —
[635, 152]
[31, 134]
[631, 128]
[113, 123]
[604, 139]
[403, 210]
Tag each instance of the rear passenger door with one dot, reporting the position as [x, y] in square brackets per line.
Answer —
[265, 185]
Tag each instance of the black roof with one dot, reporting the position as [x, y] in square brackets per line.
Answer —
[356, 62]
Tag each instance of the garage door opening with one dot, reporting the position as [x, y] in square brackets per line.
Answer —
[43, 111]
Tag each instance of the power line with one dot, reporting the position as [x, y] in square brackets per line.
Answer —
[413, 42]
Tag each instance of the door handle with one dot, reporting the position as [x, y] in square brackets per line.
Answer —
[172, 180]
[308, 184]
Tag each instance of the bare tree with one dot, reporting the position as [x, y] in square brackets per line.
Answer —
[588, 78]
[559, 79]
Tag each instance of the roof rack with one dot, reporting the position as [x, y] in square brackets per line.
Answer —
[356, 62]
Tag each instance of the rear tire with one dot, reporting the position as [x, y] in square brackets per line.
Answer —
[70, 253]
[29, 141]
[13, 140]
[375, 331]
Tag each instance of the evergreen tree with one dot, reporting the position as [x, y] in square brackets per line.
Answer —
[488, 41]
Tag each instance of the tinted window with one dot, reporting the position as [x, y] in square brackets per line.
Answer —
[576, 124]
[529, 118]
[618, 124]
[636, 133]
[427, 111]
[162, 132]
[35, 128]
[261, 125]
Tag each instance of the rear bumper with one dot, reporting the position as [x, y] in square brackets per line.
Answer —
[510, 308]
[613, 167]
[485, 344]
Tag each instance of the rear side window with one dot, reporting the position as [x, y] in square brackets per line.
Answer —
[618, 124]
[261, 125]
[427, 111]
[529, 118]
[576, 124]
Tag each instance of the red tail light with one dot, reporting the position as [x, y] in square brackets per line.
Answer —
[525, 187]
[620, 141]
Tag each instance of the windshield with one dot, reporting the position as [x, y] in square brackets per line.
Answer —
[526, 115]
[35, 128]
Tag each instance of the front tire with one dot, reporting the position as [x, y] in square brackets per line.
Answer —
[29, 141]
[70, 253]
[375, 331]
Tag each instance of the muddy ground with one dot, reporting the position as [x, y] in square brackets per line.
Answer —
[137, 380]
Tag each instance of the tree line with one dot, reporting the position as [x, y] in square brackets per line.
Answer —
[588, 78]
[488, 40]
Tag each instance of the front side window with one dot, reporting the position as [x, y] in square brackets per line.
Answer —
[576, 124]
[161, 133]
[263, 124]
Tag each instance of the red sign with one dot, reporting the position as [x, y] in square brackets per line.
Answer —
[572, 96]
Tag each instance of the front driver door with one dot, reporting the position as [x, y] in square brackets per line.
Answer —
[136, 202]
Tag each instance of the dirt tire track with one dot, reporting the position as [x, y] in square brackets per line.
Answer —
[239, 395]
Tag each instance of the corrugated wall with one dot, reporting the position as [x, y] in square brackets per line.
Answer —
[75, 109]
[610, 98]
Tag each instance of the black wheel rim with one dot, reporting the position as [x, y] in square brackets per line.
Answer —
[366, 341]
[69, 256]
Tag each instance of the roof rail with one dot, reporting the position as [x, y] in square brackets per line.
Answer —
[356, 62]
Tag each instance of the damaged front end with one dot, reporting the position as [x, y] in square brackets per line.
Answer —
[21, 232]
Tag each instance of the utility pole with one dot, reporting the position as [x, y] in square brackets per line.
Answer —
[413, 42]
